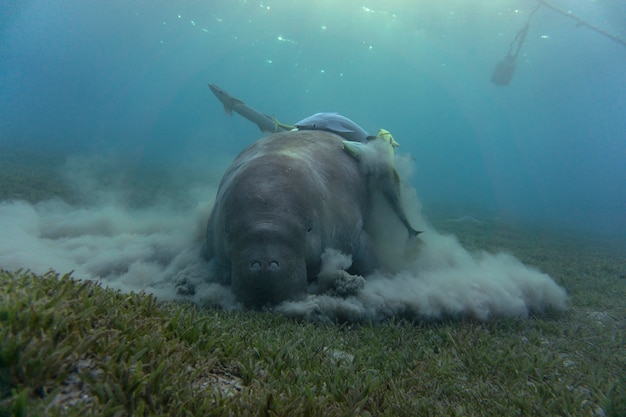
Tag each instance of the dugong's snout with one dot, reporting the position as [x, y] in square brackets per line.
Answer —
[268, 275]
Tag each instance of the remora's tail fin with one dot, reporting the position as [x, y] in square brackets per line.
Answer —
[282, 126]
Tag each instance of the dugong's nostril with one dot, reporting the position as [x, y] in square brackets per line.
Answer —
[273, 265]
[255, 266]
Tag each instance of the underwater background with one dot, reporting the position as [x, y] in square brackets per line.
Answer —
[112, 147]
[128, 79]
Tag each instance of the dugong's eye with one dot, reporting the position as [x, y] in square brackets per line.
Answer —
[309, 230]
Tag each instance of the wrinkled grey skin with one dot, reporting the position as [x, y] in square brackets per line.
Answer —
[335, 123]
[281, 203]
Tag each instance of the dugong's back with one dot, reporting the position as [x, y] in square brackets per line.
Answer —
[281, 203]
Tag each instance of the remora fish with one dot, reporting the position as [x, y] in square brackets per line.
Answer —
[265, 122]
[335, 123]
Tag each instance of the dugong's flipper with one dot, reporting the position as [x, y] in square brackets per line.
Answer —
[355, 149]
[376, 159]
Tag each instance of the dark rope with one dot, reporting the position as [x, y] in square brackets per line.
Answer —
[581, 22]
[521, 35]
[503, 72]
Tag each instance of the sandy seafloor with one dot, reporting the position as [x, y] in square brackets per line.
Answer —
[592, 269]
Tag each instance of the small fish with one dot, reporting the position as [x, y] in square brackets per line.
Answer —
[386, 135]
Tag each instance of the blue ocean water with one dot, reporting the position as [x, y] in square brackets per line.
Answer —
[130, 77]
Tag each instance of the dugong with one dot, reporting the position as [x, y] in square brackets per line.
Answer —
[283, 201]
